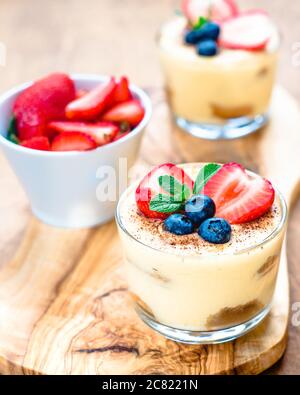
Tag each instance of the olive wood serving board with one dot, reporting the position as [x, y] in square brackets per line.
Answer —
[64, 307]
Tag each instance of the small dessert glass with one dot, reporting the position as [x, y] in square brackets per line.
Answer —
[204, 299]
[225, 96]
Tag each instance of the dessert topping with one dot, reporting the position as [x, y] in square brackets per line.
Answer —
[208, 31]
[238, 196]
[207, 48]
[227, 191]
[205, 35]
[199, 208]
[179, 224]
[249, 31]
[215, 230]
[163, 191]
[216, 10]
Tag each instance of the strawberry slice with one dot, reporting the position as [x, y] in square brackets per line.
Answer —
[250, 31]
[130, 111]
[40, 143]
[93, 103]
[216, 10]
[42, 102]
[223, 9]
[102, 132]
[149, 187]
[238, 196]
[73, 141]
[122, 92]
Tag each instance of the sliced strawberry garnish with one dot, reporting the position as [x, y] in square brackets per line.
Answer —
[216, 10]
[40, 143]
[238, 196]
[223, 9]
[93, 103]
[122, 92]
[101, 132]
[73, 141]
[149, 187]
[42, 102]
[250, 30]
[130, 111]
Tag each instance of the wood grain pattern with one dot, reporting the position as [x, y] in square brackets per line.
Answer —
[64, 306]
[79, 45]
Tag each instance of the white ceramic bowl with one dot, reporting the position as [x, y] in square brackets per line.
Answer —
[61, 186]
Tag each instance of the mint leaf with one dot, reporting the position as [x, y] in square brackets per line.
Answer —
[180, 192]
[12, 131]
[205, 173]
[201, 22]
[164, 204]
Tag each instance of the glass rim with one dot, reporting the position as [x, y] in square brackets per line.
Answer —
[271, 236]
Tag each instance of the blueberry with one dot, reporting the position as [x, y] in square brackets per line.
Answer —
[193, 37]
[215, 230]
[199, 207]
[210, 31]
[178, 224]
[207, 48]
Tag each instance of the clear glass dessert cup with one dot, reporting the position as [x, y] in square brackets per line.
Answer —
[202, 299]
[220, 97]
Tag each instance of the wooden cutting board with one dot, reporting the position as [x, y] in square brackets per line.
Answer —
[64, 307]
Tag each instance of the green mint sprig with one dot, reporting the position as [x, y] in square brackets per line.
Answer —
[205, 173]
[176, 194]
[201, 22]
[164, 204]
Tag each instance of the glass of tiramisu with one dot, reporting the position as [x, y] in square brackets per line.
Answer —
[202, 247]
[219, 66]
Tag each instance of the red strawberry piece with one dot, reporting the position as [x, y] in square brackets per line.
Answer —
[130, 111]
[73, 141]
[223, 9]
[122, 92]
[120, 136]
[238, 196]
[250, 31]
[149, 187]
[40, 143]
[217, 10]
[93, 103]
[101, 132]
[42, 102]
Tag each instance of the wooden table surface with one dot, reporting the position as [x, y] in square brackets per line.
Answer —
[117, 37]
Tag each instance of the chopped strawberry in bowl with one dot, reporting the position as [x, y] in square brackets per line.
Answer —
[65, 135]
[59, 104]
